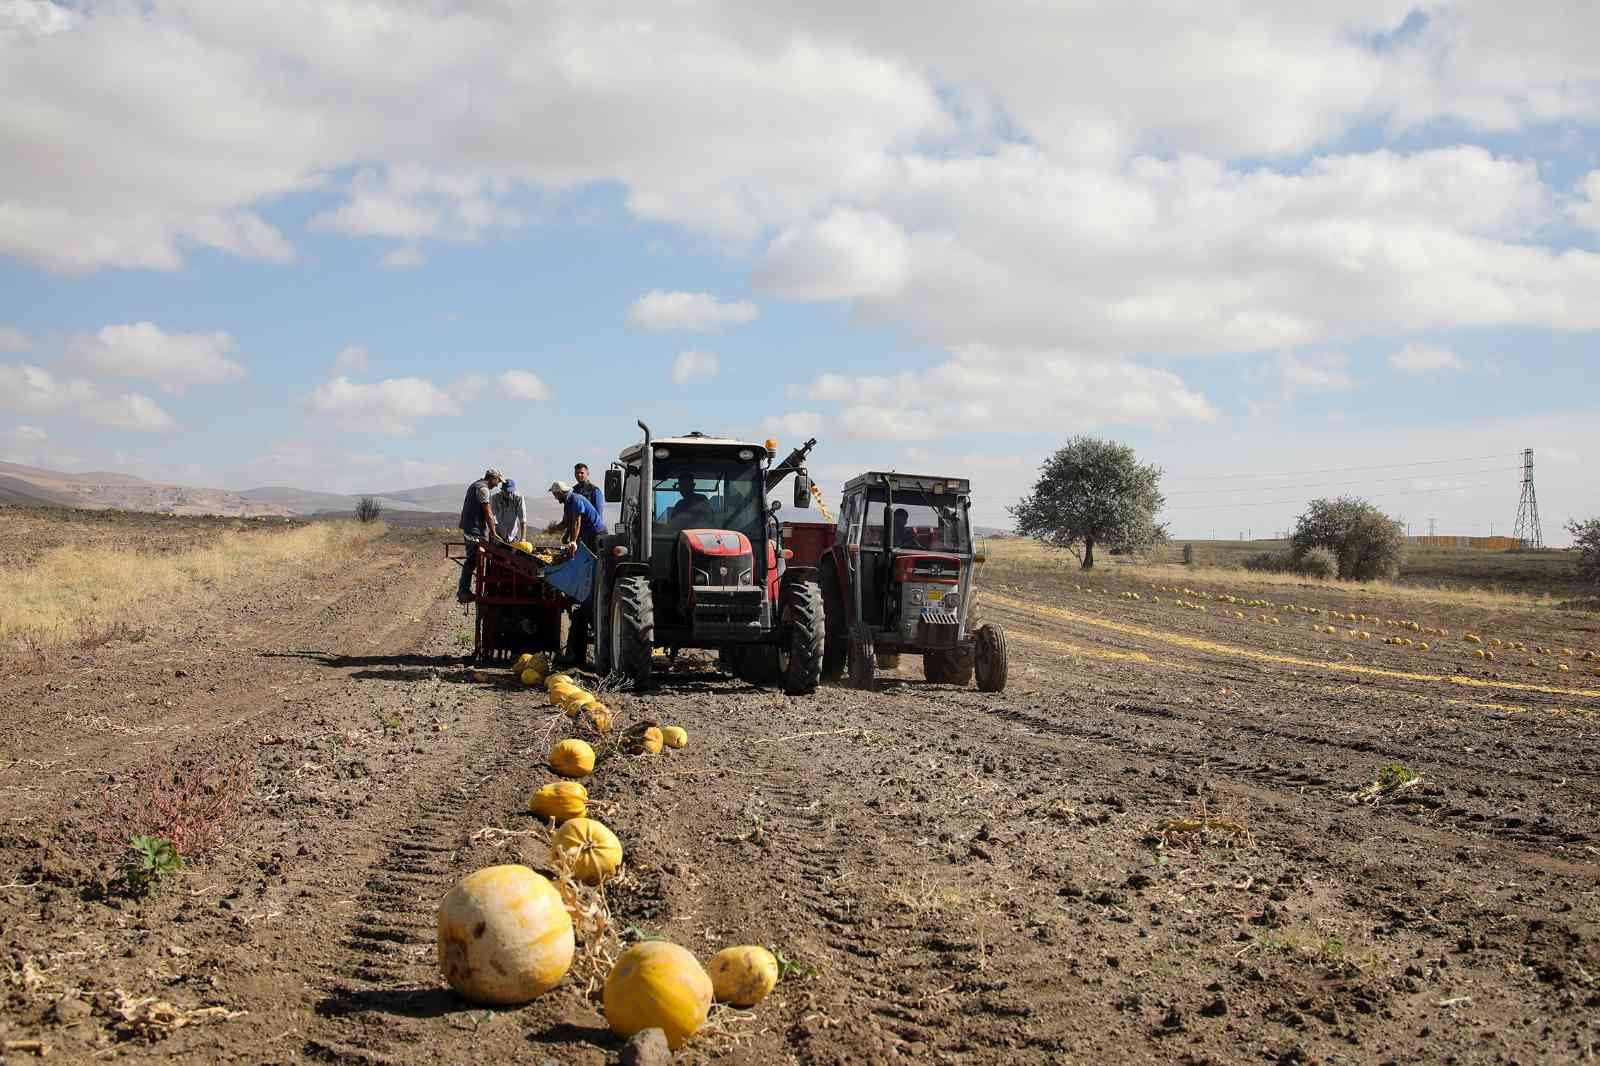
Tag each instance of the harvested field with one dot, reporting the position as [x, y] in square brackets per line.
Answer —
[1182, 834]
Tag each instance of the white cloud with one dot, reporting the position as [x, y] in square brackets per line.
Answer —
[1418, 358]
[796, 426]
[13, 339]
[985, 390]
[406, 257]
[27, 435]
[33, 390]
[352, 359]
[695, 363]
[1310, 375]
[145, 351]
[391, 406]
[523, 385]
[848, 255]
[1586, 208]
[661, 311]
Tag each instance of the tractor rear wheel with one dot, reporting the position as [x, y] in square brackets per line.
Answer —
[801, 655]
[953, 667]
[863, 665]
[835, 646]
[633, 629]
[990, 658]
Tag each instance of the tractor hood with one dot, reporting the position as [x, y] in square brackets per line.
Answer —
[716, 583]
[936, 567]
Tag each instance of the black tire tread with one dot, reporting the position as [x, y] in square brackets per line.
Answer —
[635, 600]
[806, 636]
[990, 658]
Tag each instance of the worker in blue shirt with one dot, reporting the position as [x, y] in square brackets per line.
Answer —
[588, 489]
[581, 523]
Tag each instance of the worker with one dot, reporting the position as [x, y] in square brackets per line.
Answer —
[580, 522]
[689, 499]
[588, 489]
[477, 525]
[511, 512]
[902, 536]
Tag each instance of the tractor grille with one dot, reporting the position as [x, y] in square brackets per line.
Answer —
[939, 629]
[728, 611]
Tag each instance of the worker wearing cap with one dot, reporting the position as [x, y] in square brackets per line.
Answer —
[477, 525]
[511, 512]
[580, 522]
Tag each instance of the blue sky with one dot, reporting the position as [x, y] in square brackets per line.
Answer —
[369, 246]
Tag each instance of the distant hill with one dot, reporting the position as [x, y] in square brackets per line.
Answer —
[31, 486]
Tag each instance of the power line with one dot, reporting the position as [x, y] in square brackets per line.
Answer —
[1344, 469]
[1331, 484]
[1300, 499]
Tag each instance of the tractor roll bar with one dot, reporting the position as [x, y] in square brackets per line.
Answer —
[647, 490]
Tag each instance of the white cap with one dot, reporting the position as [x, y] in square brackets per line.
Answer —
[560, 486]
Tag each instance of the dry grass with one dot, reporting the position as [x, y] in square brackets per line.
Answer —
[73, 596]
[1019, 559]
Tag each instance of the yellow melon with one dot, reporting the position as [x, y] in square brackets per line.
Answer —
[657, 985]
[521, 662]
[744, 975]
[647, 742]
[674, 736]
[598, 717]
[553, 680]
[529, 677]
[560, 800]
[572, 758]
[504, 936]
[594, 851]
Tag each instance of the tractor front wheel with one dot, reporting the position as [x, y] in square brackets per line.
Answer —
[990, 658]
[863, 665]
[805, 642]
[953, 667]
[633, 629]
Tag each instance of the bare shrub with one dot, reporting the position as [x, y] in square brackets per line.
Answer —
[193, 804]
[368, 509]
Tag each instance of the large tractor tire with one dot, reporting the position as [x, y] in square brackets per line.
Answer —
[990, 658]
[758, 665]
[953, 667]
[633, 629]
[728, 661]
[801, 655]
[863, 665]
[835, 645]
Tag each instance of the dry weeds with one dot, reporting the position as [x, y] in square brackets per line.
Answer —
[73, 596]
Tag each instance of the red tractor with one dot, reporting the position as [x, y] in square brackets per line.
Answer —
[896, 577]
[696, 560]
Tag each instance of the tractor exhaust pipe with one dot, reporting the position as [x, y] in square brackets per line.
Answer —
[647, 495]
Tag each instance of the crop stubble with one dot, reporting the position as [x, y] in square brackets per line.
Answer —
[974, 878]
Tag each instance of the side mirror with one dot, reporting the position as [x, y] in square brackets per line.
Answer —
[802, 490]
[613, 485]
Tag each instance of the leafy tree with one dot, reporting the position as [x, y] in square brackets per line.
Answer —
[1586, 539]
[1093, 492]
[1367, 543]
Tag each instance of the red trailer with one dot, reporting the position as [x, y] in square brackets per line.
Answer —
[517, 610]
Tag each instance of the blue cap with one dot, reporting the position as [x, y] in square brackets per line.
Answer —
[509, 488]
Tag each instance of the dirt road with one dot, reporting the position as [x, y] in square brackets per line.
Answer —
[1145, 850]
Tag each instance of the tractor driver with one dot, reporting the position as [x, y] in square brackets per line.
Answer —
[690, 500]
[902, 537]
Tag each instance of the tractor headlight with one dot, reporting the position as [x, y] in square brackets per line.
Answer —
[917, 596]
[952, 601]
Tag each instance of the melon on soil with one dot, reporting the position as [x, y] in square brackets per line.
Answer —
[560, 800]
[504, 936]
[657, 985]
[572, 758]
[674, 736]
[743, 975]
[593, 850]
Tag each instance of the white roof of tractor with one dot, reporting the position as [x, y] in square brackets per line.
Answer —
[631, 452]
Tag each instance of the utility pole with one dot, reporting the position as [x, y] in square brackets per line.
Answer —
[1431, 521]
[1528, 531]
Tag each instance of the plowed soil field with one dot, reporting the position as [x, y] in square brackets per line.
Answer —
[1163, 842]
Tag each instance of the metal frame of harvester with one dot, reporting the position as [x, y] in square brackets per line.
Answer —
[516, 610]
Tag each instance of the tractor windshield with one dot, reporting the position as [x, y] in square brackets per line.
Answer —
[917, 521]
[708, 493]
